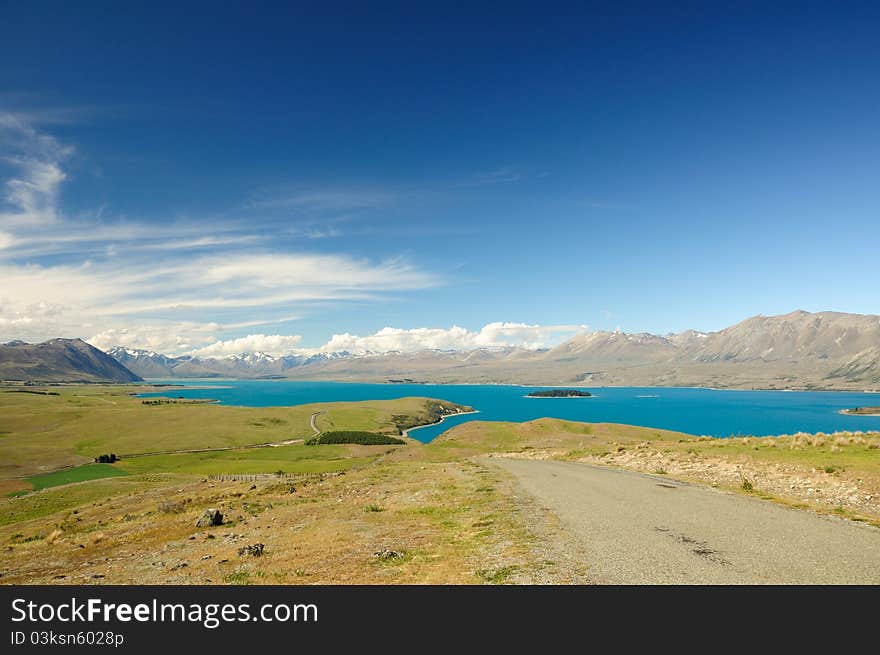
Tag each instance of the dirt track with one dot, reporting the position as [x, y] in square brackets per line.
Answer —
[643, 529]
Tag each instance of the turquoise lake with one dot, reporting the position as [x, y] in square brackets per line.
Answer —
[695, 411]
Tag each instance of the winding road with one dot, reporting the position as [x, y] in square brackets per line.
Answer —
[643, 529]
[315, 427]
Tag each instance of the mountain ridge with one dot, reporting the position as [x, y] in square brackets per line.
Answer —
[60, 360]
[822, 350]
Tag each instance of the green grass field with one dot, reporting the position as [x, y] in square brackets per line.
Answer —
[289, 459]
[77, 474]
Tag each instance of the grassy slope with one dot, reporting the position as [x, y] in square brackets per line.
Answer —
[44, 433]
[449, 523]
[51, 507]
[480, 437]
[289, 459]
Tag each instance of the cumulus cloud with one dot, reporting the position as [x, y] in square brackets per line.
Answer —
[200, 339]
[168, 338]
[271, 344]
[455, 338]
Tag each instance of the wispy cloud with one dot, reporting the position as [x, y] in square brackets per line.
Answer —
[89, 239]
[502, 175]
[321, 200]
[95, 292]
[30, 194]
[172, 286]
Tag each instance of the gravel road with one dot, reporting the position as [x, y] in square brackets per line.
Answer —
[643, 529]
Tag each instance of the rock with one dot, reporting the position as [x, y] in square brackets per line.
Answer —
[387, 554]
[254, 550]
[209, 518]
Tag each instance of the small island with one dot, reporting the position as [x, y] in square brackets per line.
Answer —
[560, 393]
[862, 411]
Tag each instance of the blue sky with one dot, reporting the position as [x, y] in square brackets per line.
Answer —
[257, 177]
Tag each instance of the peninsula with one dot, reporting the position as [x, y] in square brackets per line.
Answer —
[862, 411]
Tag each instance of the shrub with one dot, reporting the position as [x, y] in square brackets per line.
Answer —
[747, 485]
[251, 550]
[107, 459]
[355, 437]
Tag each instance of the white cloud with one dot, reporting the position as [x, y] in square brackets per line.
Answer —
[172, 287]
[272, 344]
[200, 339]
[167, 338]
[30, 195]
[454, 338]
[86, 298]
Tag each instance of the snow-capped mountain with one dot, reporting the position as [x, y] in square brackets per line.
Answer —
[149, 364]
[825, 350]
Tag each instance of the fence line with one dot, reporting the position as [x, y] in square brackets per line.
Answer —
[250, 477]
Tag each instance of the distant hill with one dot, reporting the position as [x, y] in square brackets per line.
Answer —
[800, 350]
[60, 360]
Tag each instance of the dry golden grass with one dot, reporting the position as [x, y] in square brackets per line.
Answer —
[442, 523]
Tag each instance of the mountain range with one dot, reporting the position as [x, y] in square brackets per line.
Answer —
[800, 350]
[151, 364]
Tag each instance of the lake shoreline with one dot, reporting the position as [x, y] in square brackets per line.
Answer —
[428, 425]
